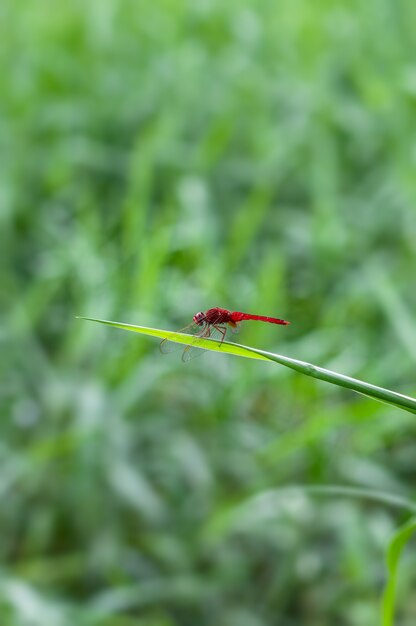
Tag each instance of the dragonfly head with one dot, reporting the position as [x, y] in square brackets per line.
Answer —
[199, 318]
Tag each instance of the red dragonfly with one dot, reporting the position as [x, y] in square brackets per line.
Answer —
[214, 324]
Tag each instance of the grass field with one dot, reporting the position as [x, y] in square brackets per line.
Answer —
[159, 158]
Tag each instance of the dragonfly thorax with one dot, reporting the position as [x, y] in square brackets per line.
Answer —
[199, 318]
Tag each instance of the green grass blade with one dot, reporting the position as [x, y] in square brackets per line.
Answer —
[206, 344]
[378, 393]
[395, 549]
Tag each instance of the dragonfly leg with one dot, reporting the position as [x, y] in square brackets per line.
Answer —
[206, 332]
[222, 330]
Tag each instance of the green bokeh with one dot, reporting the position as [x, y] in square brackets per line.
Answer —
[159, 158]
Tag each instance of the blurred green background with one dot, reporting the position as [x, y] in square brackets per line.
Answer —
[159, 158]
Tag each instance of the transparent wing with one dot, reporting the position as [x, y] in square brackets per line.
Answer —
[213, 331]
[217, 332]
[168, 345]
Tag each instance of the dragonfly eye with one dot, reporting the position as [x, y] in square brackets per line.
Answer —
[199, 318]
